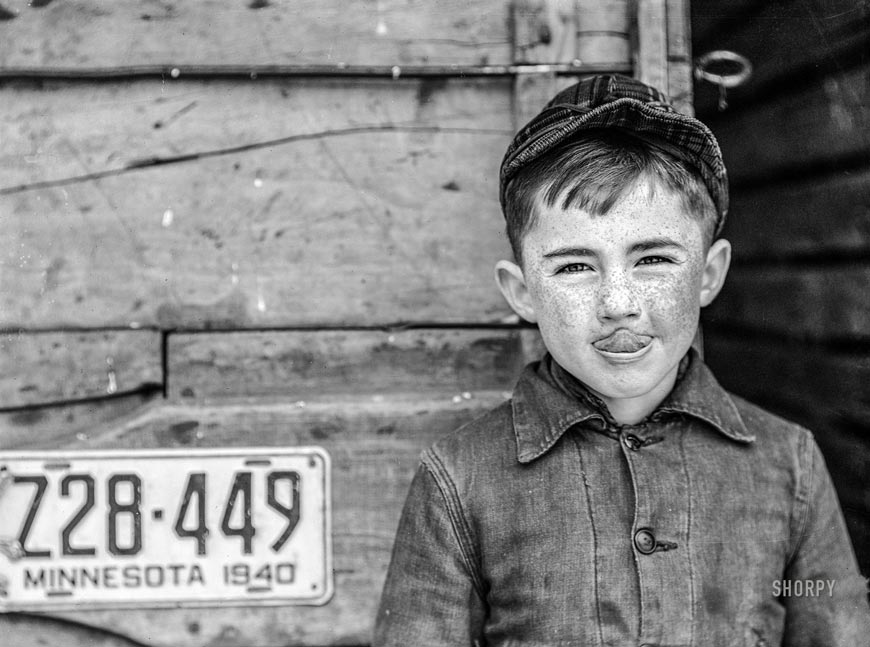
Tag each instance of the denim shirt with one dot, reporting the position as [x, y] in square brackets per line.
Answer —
[544, 522]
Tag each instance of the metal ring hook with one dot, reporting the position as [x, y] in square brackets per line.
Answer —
[711, 60]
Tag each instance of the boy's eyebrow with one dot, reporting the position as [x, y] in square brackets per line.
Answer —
[656, 243]
[641, 246]
[570, 251]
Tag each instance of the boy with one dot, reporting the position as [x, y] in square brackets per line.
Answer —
[621, 497]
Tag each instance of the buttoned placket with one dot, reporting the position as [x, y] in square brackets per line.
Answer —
[660, 530]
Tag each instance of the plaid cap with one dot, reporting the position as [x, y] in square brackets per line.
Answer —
[625, 104]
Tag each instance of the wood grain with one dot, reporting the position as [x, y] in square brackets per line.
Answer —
[651, 52]
[300, 365]
[92, 34]
[816, 302]
[679, 58]
[48, 367]
[63, 130]
[364, 204]
[586, 32]
[38, 631]
[827, 216]
[71, 422]
[374, 444]
[89, 34]
[816, 124]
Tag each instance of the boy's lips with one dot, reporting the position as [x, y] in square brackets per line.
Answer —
[622, 341]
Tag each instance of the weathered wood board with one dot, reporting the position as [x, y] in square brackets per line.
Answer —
[822, 123]
[374, 443]
[814, 301]
[71, 422]
[828, 216]
[45, 368]
[384, 212]
[90, 34]
[63, 130]
[294, 366]
[826, 384]
[589, 32]
[39, 631]
[782, 40]
[710, 18]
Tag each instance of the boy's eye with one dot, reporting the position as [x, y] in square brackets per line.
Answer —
[573, 268]
[653, 260]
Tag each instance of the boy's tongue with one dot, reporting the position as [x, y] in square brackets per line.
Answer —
[622, 341]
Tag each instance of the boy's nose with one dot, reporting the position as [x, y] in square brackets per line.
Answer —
[617, 299]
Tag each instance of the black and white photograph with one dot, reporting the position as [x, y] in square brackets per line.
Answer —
[482, 323]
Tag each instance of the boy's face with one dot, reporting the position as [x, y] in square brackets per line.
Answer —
[617, 296]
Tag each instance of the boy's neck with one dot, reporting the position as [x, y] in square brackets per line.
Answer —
[630, 411]
[622, 411]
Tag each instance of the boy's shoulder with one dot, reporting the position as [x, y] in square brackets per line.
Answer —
[766, 424]
[487, 438]
[777, 439]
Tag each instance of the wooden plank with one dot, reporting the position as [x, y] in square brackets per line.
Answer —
[301, 365]
[374, 444]
[793, 378]
[38, 631]
[346, 204]
[92, 129]
[817, 124]
[818, 302]
[828, 216]
[679, 56]
[783, 40]
[651, 49]
[46, 367]
[73, 423]
[585, 32]
[713, 17]
[93, 34]
[603, 31]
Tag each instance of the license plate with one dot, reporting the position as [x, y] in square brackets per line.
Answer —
[164, 528]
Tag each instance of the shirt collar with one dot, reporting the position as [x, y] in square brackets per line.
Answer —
[547, 401]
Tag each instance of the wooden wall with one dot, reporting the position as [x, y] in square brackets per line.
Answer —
[791, 330]
[261, 223]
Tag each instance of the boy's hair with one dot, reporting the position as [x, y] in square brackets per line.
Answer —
[592, 172]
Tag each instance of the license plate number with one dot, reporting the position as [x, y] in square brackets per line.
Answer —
[160, 528]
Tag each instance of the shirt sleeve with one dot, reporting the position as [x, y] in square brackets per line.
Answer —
[430, 597]
[836, 614]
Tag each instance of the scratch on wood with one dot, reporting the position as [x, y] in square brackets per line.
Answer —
[175, 116]
[188, 157]
[113, 208]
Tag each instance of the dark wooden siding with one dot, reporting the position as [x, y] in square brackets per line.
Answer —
[791, 329]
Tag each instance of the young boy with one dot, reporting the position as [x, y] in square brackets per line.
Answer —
[621, 497]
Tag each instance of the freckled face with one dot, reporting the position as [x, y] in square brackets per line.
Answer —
[617, 296]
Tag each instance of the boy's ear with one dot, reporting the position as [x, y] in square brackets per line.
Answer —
[512, 284]
[715, 270]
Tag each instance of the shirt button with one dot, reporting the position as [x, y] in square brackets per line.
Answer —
[645, 541]
[632, 442]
